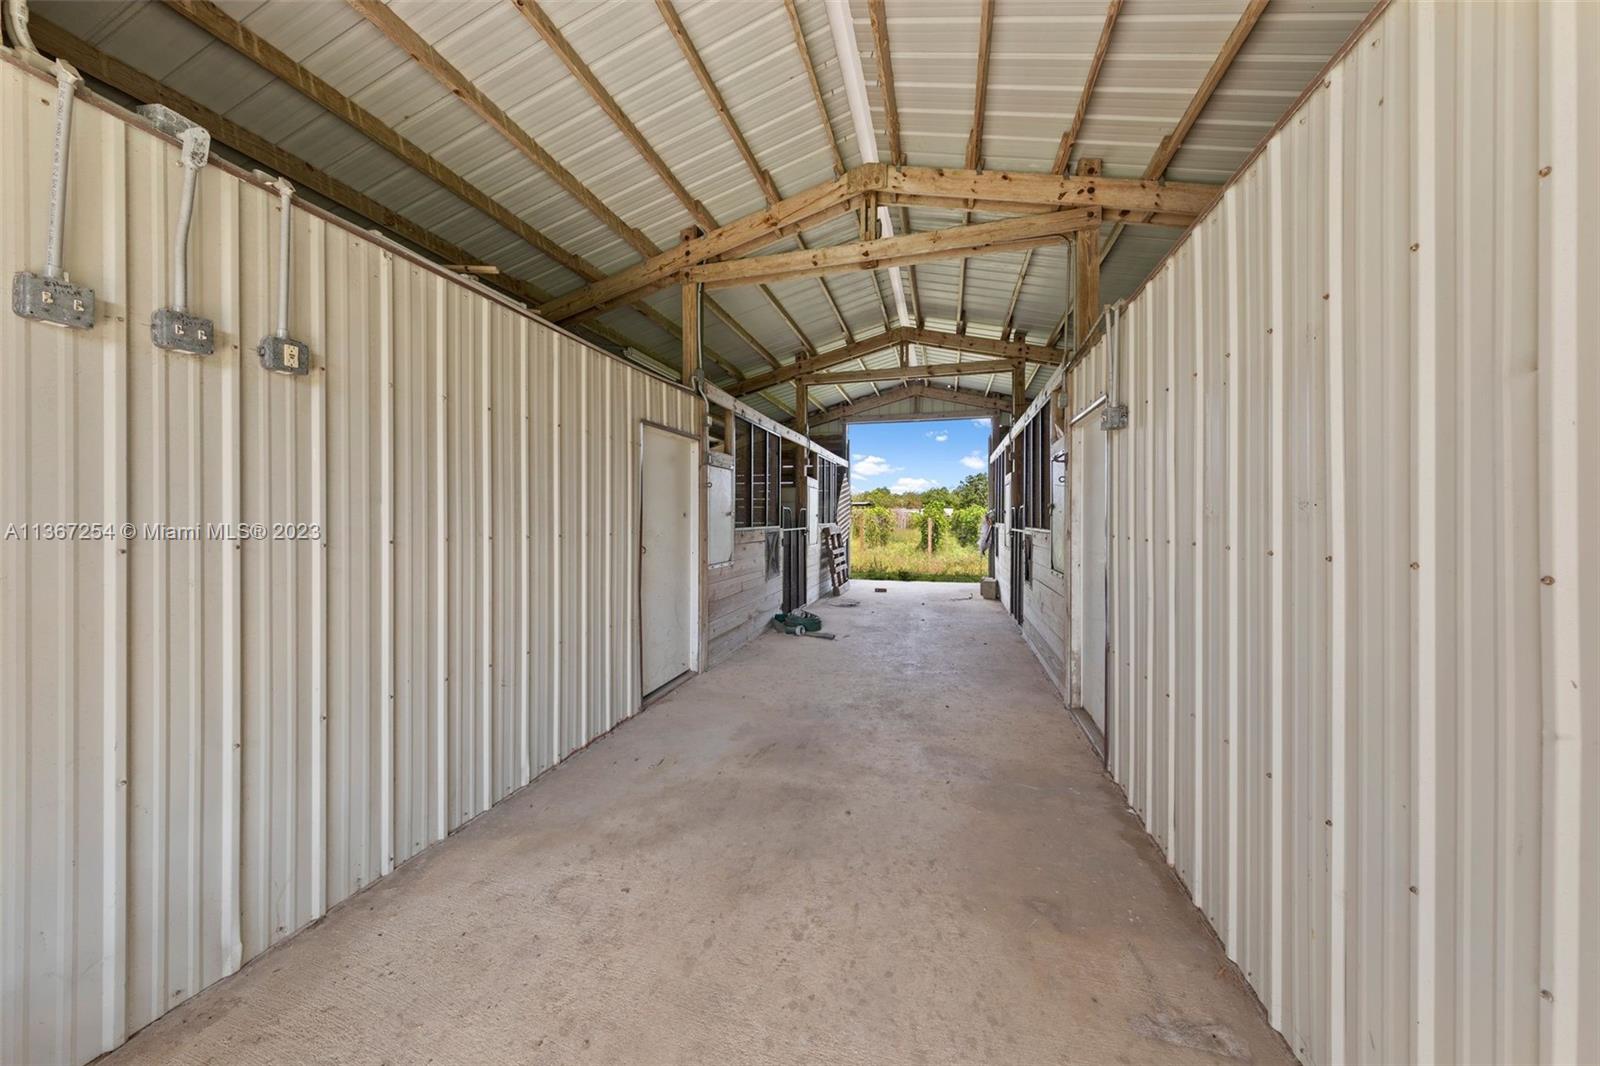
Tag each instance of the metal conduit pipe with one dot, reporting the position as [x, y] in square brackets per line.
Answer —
[1113, 319]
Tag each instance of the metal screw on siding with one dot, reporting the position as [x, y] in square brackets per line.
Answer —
[1416, 566]
[1546, 994]
[1544, 172]
[1414, 247]
[1547, 580]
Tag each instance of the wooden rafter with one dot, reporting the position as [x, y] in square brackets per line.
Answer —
[1016, 293]
[691, 55]
[816, 86]
[557, 42]
[216, 22]
[1168, 148]
[763, 180]
[464, 89]
[744, 334]
[1069, 139]
[585, 76]
[1010, 234]
[141, 86]
[891, 110]
[974, 159]
[1219, 68]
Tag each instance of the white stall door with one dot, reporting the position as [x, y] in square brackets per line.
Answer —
[668, 557]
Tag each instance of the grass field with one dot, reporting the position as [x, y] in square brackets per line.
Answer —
[905, 559]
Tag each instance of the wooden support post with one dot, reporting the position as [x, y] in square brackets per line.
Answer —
[729, 429]
[1019, 390]
[1086, 261]
[802, 425]
[691, 321]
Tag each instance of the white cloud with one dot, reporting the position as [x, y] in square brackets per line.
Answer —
[913, 484]
[972, 462]
[873, 466]
[939, 436]
[982, 423]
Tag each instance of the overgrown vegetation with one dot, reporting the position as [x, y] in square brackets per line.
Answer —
[933, 523]
[877, 526]
[904, 557]
[966, 525]
[893, 554]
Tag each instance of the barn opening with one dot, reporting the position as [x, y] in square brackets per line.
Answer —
[415, 418]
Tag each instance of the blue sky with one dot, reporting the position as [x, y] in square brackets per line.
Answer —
[914, 456]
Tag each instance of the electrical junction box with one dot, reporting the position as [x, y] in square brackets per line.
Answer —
[176, 331]
[284, 355]
[54, 301]
[1115, 417]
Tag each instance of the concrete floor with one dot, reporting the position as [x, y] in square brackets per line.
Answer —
[892, 847]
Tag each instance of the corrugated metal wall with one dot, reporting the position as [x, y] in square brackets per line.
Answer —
[206, 743]
[1356, 611]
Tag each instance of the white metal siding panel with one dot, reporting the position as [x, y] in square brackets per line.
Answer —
[1347, 518]
[208, 743]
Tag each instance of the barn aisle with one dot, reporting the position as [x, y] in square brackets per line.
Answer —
[891, 847]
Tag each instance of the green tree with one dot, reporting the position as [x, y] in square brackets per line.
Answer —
[937, 499]
[876, 525]
[878, 497]
[966, 525]
[973, 491]
[941, 526]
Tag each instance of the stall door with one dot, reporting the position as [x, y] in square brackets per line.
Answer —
[669, 562]
[1089, 558]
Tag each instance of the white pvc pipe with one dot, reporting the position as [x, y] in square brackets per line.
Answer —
[843, 31]
[196, 144]
[286, 197]
[67, 81]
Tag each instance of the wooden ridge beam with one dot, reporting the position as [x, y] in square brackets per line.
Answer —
[552, 36]
[897, 337]
[1014, 190]
[914, 390]
[927, 370]
[1011, 234]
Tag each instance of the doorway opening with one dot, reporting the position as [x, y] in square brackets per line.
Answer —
[922, 499]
